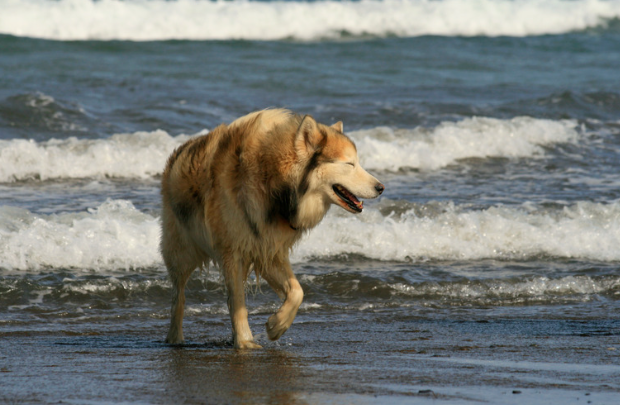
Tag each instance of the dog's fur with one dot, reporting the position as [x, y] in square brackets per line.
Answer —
[243, 195]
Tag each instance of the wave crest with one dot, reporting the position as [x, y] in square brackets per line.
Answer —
[585, 230]
[116, 235]
[142, 20]
[478, 137]
[137, 155]
[143, 154]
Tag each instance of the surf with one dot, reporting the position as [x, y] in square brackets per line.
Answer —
[141, 20]
[142, 155]
[116, 235]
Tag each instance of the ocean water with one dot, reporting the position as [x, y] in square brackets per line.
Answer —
[494, 124]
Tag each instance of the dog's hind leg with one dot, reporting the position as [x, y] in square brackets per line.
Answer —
[284, 282]
[235, 273]
[181, 259]
[179, 279]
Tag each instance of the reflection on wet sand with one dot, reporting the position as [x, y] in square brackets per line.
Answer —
[224, 375]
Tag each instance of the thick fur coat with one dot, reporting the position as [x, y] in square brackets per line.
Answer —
[243, 195]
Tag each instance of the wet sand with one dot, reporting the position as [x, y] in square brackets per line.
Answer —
[364, 358]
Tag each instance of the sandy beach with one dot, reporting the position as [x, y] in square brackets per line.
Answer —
[365, 359]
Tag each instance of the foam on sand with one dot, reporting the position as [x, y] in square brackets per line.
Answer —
[142, 20]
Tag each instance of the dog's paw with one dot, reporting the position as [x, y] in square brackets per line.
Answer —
[174, 337]
[248, 344]
[275, 327]
[174, 341]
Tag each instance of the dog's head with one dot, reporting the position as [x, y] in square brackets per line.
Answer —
[332, 171]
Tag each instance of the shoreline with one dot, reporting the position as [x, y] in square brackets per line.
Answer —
[357, 359]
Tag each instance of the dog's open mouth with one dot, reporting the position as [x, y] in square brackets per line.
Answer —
[348, 198]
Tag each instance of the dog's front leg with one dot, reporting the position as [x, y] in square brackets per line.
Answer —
[235, 277]
[284, 282]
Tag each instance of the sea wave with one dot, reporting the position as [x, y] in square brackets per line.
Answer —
[365, 291]
[135, 155]
[585, 230]
[112, 236]
[116, 235]
[143, 154]
[144, 20]
[478, 137]
[42, 113]
[512, 290]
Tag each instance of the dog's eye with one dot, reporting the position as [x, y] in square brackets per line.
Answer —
[351, 164]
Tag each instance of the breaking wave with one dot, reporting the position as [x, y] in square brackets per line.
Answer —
[431, 149]
[143, 20]
[111, 236]
[116, 235]
[439, 231]
[137, 155]
[143, 154]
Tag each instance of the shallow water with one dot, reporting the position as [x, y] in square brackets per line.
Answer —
[494, 126]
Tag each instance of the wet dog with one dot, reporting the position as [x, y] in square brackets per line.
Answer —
[243, 195]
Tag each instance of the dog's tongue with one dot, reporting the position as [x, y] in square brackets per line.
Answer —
[350, 199]
[359, 204]
[350, 196]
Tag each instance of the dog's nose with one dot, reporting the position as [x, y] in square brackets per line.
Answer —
[379, 187]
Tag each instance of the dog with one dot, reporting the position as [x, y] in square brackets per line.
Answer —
[242, 196]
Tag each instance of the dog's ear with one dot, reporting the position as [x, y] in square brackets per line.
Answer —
[308, 138]
[338, 127]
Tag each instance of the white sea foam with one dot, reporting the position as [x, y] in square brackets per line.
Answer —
[143, 154]
[116, 235]
[142, 20]
[429, 149]
[586, 230]
[112, 236]
[137, 155]
[529, 288]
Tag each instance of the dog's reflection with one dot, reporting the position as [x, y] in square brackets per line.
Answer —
[220, 375]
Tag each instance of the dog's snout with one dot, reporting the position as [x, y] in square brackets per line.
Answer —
[379, 187]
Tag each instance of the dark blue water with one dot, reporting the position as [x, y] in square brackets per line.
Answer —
[185, 86]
